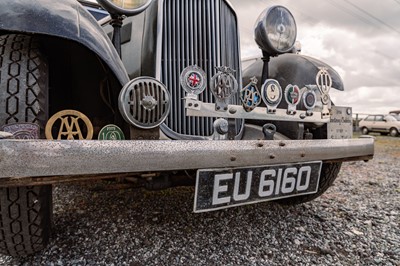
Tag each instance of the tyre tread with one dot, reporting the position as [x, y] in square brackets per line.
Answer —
[25, 212]
[25, 218]
[23, 74]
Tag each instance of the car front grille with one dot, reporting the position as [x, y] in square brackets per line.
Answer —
[202, 33]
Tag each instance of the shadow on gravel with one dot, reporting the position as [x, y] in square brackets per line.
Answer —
[160, 226]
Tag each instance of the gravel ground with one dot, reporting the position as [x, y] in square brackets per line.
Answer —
[355, 223]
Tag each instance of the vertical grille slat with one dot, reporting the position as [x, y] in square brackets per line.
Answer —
[202, 33]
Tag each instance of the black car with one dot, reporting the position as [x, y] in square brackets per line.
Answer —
[155, 90]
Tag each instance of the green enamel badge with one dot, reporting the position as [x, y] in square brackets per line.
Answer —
[111, 132]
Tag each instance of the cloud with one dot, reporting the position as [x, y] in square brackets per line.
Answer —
[363, 99]
[360, 39]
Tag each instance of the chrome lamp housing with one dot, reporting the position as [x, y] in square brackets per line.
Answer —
[275, 31]
[125, 7]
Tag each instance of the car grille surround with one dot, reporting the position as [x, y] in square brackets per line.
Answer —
[202, 33]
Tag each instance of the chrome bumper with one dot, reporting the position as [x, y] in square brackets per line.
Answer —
[41, 158]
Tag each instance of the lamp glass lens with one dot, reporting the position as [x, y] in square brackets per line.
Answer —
[129, 4]
[281, 29]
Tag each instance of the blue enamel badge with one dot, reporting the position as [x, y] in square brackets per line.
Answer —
[250, 96]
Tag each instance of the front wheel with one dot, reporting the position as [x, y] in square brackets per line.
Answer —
[364, 131]
[25, 219]
[25, 212]
[329, 172]
[394, 132]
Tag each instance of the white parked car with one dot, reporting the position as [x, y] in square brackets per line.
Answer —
[384, 124]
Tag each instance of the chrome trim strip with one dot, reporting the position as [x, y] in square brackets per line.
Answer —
[259, 113]
[160, 19]
[39, 158]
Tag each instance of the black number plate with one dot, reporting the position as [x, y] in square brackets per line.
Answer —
[224, 188]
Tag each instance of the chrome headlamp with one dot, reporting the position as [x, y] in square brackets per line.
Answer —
[125, 7]
[275, 30]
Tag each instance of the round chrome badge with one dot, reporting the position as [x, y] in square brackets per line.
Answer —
[292, 97]
[271, 92]
[292, 94]
[193, 80]
[309, 99]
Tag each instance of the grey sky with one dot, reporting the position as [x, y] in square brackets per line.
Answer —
[359, 38]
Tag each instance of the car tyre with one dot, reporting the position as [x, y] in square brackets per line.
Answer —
[25, 219]
[329, 172]
[364, 131]
[394, 132]
[25, 211]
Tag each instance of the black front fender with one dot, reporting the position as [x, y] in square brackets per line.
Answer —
[293, 69]
[66, 19]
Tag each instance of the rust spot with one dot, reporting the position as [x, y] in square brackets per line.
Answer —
[303, 155]
[233, 158]
[272, 156]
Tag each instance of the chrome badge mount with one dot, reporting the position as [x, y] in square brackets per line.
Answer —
[223, 87]
[250, 95]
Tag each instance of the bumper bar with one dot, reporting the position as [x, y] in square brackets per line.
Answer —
[41, 158]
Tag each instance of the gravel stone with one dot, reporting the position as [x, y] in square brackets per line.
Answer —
[356, 222]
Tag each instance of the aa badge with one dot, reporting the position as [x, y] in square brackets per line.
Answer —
[111, 132]
[70, 125]
[250, 96]
[271, 92]
[324, 80]
[223, 87]
[324, 84]
[23, 130]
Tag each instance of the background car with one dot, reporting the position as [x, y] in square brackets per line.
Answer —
[384, 124]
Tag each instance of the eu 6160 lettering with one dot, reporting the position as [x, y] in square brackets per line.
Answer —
[233, 187]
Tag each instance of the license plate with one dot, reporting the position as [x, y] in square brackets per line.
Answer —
[223, 188]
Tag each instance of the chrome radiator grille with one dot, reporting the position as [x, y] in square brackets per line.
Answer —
[202, 33]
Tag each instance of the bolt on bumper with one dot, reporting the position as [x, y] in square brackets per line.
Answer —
[42, 158]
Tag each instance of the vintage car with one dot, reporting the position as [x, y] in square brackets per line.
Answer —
[153, 92]
[384, 124]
